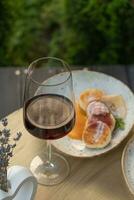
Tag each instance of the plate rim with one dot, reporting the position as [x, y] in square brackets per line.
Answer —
[123, 164]
[97, 155]
[102, 73]
[129, 130]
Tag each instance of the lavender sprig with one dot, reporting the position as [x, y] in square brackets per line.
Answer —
[6, 152]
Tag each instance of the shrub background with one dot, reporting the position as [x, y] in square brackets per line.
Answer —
[79, 31]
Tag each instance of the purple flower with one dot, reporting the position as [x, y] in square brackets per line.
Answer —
[4, 122]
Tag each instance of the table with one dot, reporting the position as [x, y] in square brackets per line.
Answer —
[98, 178]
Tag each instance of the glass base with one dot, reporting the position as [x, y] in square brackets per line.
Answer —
[50, 173]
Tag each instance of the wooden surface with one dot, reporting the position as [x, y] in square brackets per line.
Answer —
[99, 178]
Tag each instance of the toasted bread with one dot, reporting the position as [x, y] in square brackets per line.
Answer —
[98, 111]
[97, 108]
[96, 135]
[88, 96]
[107, 119]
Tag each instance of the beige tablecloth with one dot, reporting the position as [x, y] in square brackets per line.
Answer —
[99, 178]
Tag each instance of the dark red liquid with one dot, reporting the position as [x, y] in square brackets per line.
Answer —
[49, 116]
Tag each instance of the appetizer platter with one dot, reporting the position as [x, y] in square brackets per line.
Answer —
[104, 115]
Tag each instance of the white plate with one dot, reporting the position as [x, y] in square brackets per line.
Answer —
[128, 164]
[83, 80]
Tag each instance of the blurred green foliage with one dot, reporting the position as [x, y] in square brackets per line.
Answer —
[4, 31]
[79, 31]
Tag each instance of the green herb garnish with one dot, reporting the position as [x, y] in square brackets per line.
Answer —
[120, 124]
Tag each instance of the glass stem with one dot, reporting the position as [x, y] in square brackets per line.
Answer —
[49, 151]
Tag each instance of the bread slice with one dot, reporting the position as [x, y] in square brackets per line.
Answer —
[97, 108]
[96, 135]
[88, 96]
[116, 105]
[98, 111]
[107, 119]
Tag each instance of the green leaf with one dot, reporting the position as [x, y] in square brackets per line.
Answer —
[120, 124]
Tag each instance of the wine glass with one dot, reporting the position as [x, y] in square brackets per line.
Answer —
[49, 114]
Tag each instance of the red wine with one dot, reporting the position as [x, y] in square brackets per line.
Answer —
[49, 116]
